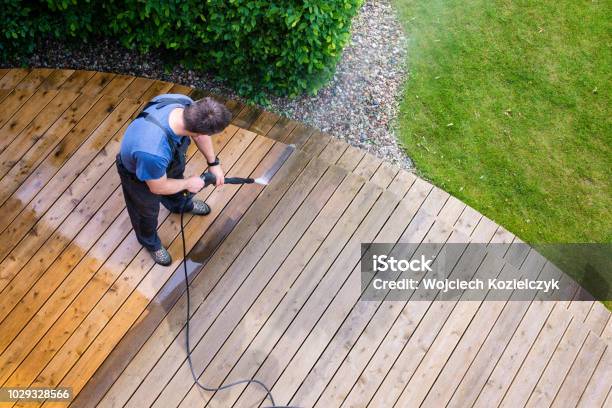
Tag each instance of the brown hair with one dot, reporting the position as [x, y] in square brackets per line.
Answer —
[206, 116]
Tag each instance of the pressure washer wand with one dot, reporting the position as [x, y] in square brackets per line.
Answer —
[210, 179]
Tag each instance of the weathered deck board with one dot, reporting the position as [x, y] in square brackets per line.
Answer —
[274, 273]
[357, 315]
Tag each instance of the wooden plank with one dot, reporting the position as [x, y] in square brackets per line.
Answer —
[462, 225]
[558, 365]
[583, 367]
[599, 385]
[607, 332]
[264, 123]
[410, 318]
[113, 282]
[181, 89]
[118, 85]
[3, 72]
[481, 346]
[255, 280]
[137, 88]
[87, 207]
[361, 349]
[73, 285]
[234, 105]
[57, 79]
[532, 330]
[515, 329]
[34, 78]
[50, 138]
[319, 146]
[30, 258]
[166, 299]
[524, 381]
[517, 253]
[12, 103]
[311, 276]
[384, 172]
[98, 83]
[13, 77]
[487, 224]
[329, 153]
[361, 328]
[4, 93]
[428, 332]
[24, 116]
[157, 88]
[283, 127]
[198, 94]
[351, 157]
[35, 130]
[77, 80]
[247, 116]
[299, 135]
[368, 165]
[597, 318]
[383, 176]
[74, 175]
[137, 301]
[579, 307]
[257, 246]
[403, 180]
[501, 242]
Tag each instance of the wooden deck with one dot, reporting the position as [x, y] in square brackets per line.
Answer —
[274, 274]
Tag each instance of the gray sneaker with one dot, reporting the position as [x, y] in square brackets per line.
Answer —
[161, 256]
[200, 207]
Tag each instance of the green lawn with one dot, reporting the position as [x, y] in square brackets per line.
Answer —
[506, 107]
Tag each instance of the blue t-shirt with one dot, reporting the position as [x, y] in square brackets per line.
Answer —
[145, 150]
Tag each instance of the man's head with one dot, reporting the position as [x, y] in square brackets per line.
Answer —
[206, 116]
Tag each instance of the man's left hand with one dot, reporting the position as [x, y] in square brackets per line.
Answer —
[217, 171]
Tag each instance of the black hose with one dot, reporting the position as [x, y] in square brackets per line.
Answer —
[187, 344]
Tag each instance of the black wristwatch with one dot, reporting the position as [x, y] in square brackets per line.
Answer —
[215, 163]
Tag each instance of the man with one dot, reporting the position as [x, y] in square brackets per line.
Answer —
[151, 162]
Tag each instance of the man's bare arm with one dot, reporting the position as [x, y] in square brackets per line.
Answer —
[205, 145]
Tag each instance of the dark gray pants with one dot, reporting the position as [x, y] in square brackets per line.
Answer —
[143, 205]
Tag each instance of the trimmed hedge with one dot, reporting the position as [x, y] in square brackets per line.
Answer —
[285, 47]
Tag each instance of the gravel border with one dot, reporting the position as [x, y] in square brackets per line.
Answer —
[359, 105]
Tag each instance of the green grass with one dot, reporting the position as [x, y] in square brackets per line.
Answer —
[506, 107]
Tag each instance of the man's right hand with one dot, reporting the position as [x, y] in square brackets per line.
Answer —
[194, 184]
